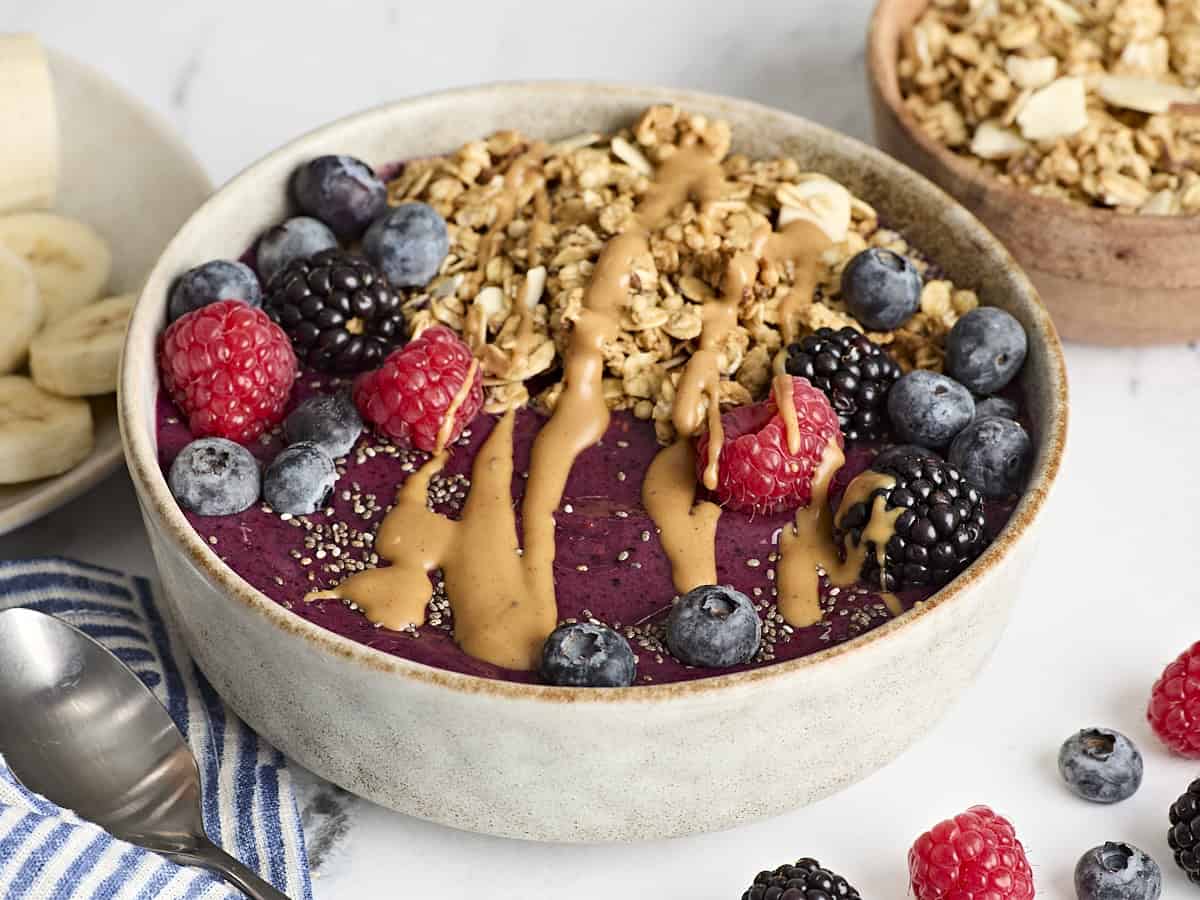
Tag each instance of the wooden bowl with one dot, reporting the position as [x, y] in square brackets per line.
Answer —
[1107, 277]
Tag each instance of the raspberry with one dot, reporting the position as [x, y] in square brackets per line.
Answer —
[1174, 711]
[755, 470]
[974, 856]
[407, 398]
[229, 368]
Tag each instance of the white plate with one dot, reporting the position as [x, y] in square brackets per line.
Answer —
[126, 174]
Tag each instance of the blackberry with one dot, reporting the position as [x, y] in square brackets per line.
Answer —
[1184, 836]
[939, 533]
[340, 312]
[851, 370]
[806, 880]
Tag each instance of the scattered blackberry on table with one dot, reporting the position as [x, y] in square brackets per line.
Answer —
[294, 239]
[713, 626]
[300, 480]
[1117, 872]
[1101, 765]
[881, 289]
[1174, 711]
[929, 409]
[408, 244]
[214, 477]
[587, 655]
[331, 421]
[851, 370]
[218, 279]
[986, 349]
[995, 406]
[939, 533]
[342, 192]
[1184, 836]
[806, 880]
[340, 313]
[994, 454]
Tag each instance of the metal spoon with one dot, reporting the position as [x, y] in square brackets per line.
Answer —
[79, 728]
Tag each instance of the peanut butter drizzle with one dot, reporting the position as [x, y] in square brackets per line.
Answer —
[506, 202]
[785, 400]
[688, 530]
[800, 243]
[456, 402]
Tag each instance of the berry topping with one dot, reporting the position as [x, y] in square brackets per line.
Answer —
[1101, 765]
[340, 313]
[974, 856]
[881, 289]
[1175, 704]
[586, 655]
[806, 880]
[1117, 872]
[995, 406]
[229, 368]
[937, 536]
[297, 238]
[408, 244]
[713, 626]
[853, 372]
[993, 454]
[929, 409]
[985, 349]
[897, 452]
[756, 470]
[300, 480]
[1184, 836]
[331, 421]
[342, 192]
[219, 279]
[409, 397]
[214, 477]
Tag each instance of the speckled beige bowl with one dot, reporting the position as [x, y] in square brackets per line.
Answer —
[577, 765]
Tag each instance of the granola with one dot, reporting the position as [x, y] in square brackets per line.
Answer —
[528, 220]
[1091, 101]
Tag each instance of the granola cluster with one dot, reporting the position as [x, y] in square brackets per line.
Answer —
[528, 221]
[1092, 101]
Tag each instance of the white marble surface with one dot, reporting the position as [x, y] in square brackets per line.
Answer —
[1109, 601]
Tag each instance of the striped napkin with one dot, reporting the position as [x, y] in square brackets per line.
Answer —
[249, 808]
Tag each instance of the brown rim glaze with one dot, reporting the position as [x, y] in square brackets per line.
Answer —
[138, 366]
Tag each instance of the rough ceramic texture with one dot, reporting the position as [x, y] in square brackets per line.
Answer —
[136, 200]
[528, 761]
[1108, 278]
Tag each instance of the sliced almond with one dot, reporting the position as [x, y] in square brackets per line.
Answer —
[1149, 58]
[1031, 73]
[490, 301]
[631, 156]
[1143, 94]
[1121, 190]
[1057, 110]
[819, 200]
[535, 284]
[1065, 11]
[993, 141]
[1163, 203]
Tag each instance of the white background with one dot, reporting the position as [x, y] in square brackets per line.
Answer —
[1113, 595]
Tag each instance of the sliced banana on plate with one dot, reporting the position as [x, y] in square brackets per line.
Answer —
[20, 310]
[70, 261]
[79, 356]
[29, 148]
[40, 434]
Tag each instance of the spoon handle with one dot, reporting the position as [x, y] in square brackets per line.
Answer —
[208, 855]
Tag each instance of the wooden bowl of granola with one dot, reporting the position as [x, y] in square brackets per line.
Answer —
[1119, 274]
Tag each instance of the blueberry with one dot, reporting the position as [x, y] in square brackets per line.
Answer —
[586, 655]
[985, 349]
[1117, 872]
[929, 409]
[331, 421]
[995, 406]
[297, 238]
[713, 626]
[342, 192]
[897, 452]
[408, 244]
[219, 279]
[881, 289]
[993, 454]
[299, 480]
[1101, 765]
[214, 477]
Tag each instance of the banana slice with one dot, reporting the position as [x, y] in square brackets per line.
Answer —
[70, 260]
[79, 356]
[20, 310]
[40, 434]
[29, 123]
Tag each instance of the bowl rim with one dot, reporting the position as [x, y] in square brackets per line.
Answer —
[881, 72]
[158, 503]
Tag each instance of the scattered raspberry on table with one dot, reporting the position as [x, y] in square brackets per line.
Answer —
[1174, 711]
[974, 856]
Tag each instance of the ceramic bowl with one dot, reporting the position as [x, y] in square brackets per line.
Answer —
[1107, 277]
[136, 198]
[568, 764]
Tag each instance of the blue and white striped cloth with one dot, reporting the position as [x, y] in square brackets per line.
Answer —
[249, 807]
